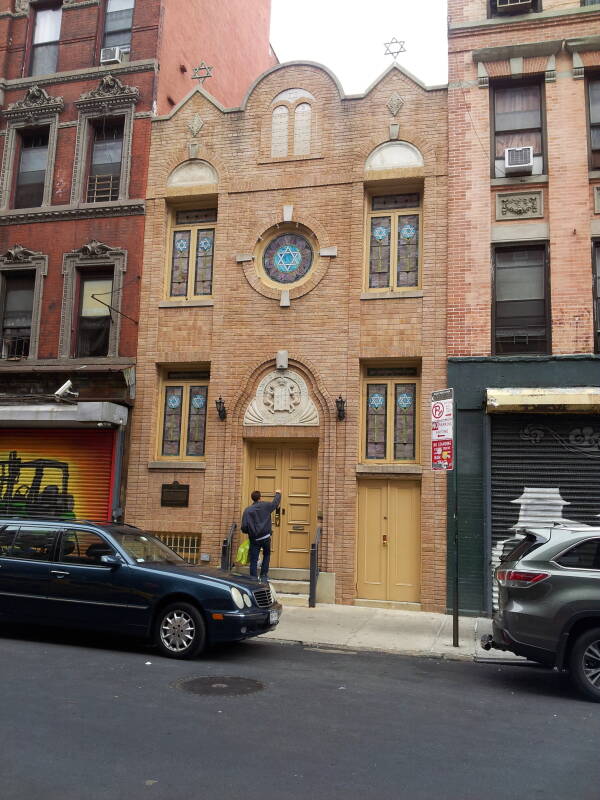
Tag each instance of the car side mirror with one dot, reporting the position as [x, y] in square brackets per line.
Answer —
[111, 561]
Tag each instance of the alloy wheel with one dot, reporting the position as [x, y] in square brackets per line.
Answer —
[591, 663]
[177, 631]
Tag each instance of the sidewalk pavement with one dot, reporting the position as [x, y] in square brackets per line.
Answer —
[385, 630]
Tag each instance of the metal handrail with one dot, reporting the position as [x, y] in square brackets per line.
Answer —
[226, 548]
[314, 568]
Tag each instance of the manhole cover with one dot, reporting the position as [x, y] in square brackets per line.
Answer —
[220, 685]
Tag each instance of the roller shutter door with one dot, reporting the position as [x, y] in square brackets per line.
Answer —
[56, 472]
[545, 468]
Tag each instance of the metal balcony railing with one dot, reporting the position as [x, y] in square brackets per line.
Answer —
[102, 188]
[14, 347]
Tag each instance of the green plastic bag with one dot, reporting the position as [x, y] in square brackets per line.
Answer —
[242, 558]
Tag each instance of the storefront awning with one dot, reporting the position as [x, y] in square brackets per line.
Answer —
[62, 415]
[549, 399]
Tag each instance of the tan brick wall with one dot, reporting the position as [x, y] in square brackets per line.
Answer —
[327, 331]
[568, 196]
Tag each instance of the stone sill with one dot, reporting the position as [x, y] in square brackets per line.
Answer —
[286, 159]
[67, 364]
[186, 304]
[519, 180]
[389, 469]
[169, 466]
[399, 295]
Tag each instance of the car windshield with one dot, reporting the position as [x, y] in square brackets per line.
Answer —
[145, 548]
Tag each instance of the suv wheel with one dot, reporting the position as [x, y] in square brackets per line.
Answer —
[180, 631]
[584, 664]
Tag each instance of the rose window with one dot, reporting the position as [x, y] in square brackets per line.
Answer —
[287, 258]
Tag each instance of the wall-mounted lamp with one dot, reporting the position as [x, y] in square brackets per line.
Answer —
[221, 410]
[340, 404]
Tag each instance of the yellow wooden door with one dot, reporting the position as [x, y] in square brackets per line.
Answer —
[293, 469]
[389, 546]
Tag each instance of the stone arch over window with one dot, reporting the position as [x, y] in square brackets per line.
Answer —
[394, 155]
[195, 172]
[292, 139]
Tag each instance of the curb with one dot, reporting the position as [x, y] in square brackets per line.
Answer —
[362, 649]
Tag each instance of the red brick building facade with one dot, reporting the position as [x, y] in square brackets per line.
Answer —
[79, 83]
[524, 192]
[294, 280]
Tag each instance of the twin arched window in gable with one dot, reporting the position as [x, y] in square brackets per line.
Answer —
[291, 123]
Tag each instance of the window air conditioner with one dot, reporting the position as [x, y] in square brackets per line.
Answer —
[514, 6]
[518, 161]
[111, 55]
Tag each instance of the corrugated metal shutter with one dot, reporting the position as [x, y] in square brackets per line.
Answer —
[56, 472]
[545, 468]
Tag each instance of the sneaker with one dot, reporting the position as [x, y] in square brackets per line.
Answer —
[264, 578]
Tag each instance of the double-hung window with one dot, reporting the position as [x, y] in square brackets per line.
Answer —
[594, 99]
[31, 174]
[192, 253]
[390, 403]
[596, 271]
[17, 313]
[518, 123]
[521, 305]
[104, 176]
[44, 46]
[394, 241]
[94, 315]
[118, 23]
[183, 424]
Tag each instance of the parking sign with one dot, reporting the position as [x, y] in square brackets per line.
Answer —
[442, 429]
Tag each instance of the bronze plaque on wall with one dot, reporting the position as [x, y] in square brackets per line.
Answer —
[175, 494]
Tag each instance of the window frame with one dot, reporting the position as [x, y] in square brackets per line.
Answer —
[26, 260]
[202, 379]
[519, 246]
[306, 98]
[93, 127]
[391, 382]
[506, 83]
[89, 274]
[30, 46]
[194, 228]
[102, 31]
[492, 13]
[596, 292]
[83, 261]
[18, 156]
[592, 78]
[394, 214]
[4, 286]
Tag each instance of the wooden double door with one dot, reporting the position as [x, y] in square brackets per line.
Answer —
[291, 467]
[389, 540]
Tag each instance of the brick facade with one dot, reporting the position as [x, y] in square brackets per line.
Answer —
[328, 330]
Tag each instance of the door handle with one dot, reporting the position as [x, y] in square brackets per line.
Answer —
[59, 573]
[277, 517]
[384, 539]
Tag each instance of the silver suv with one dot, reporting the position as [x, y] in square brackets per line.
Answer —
[549, 602]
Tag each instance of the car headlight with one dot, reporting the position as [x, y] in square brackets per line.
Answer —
[236, 596]
[273, 593]
[247, 600]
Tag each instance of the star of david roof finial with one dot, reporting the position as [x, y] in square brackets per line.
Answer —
[394, 47]
[202, 72]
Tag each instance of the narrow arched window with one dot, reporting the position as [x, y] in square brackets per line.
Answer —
[279, 132]
[302, 125]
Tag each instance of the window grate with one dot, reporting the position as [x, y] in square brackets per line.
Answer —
[102, 188]
[188, 547]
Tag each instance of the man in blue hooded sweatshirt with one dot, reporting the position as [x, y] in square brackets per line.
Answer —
[256, 522]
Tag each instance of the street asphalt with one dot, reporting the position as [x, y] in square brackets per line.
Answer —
[89, 719]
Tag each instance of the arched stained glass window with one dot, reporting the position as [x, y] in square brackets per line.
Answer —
[302, 124]
[279, 132]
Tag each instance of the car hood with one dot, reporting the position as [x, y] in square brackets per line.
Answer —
[205, 573]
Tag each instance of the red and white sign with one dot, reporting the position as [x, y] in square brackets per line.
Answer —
[442, 429]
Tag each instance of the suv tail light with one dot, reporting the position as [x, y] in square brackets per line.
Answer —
[520, 578]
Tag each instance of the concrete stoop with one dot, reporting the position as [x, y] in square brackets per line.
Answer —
[293, 585]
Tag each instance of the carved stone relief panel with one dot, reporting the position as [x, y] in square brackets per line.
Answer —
[282, 398]
[519, 205]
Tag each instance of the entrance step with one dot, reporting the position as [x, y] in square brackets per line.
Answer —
[392, 604]
[281, 573]
[289, 587]
[293, 599]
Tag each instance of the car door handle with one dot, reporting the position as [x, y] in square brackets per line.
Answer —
[59, 573]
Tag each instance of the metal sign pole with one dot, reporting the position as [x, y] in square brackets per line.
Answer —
[455, 600]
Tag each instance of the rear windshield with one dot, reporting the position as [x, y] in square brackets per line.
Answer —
[517, 549]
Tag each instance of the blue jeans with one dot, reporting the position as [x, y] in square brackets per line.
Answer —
[255, 548]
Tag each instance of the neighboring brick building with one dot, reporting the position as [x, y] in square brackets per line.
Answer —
[295, 260]
[79, 82]
[523, 270]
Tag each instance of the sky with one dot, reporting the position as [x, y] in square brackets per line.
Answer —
[348, 36]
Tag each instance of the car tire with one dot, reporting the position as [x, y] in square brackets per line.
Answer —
[180, 631]
[584, 664]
